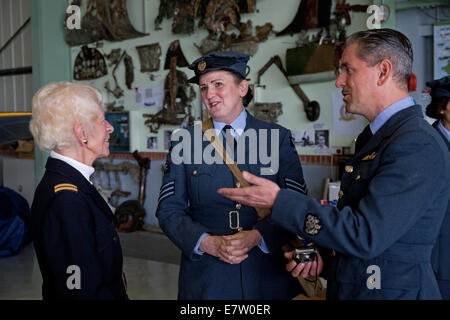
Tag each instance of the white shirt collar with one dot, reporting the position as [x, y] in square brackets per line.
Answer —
[84, 169]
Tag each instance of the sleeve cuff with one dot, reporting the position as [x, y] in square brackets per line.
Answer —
[263, 246]
[196, 249]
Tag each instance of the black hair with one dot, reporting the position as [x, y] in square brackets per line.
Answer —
[434, 108]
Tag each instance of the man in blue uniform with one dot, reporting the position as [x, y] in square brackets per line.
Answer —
[439, 109]
[226, 252]
[394, 192]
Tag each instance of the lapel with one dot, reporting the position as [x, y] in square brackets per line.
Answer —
[75, 177]
[389, 128]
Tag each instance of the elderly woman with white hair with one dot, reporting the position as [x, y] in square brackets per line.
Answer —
[75, 240]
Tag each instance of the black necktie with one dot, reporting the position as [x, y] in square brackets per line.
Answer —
[363, 138]
[229, 137]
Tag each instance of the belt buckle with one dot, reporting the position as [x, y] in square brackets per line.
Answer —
[230, 219]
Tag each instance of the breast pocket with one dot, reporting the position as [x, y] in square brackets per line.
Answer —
[202, 183]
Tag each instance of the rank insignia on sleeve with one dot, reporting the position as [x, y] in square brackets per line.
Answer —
[65, 186]
[295, 185]
[166, 191]
[312, 225]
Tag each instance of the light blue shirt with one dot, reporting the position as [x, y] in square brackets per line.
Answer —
[444, 131]
[387, 113]
[238, 126]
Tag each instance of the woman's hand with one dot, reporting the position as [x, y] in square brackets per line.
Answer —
[237, 245]
[231, 249]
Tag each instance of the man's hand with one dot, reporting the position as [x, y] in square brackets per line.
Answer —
[305, 270]
[261, 195]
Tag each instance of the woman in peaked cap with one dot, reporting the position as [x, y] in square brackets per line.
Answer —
[219, 260]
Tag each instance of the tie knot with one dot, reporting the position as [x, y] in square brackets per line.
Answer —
[227, 127]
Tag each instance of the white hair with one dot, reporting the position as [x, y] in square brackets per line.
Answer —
[56, 107]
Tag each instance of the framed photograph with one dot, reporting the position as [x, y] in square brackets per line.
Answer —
[119, 140]
[167, 135]
[152, 143]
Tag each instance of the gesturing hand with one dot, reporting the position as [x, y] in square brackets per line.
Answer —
[261, 194]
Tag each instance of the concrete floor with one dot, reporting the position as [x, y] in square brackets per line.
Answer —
[150, 264]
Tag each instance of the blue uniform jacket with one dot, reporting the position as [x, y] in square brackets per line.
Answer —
[73, 226]
[440, 258]
[189, 206]
[393, 198]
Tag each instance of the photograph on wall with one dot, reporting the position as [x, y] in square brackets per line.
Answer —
[322, 144]
[149, 97]
[167, 135]
[441, 49]
[303, 138]
[119, 140]
[152, 143]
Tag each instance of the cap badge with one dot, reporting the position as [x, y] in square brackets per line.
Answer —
[201, 65]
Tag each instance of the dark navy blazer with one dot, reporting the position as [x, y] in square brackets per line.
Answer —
[189, 206]
[393, 199]
[440, 258]
[75, 228]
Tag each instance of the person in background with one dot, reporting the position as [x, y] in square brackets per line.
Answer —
[75, 240]
[439, 109]
[394, 191]
[220, 260]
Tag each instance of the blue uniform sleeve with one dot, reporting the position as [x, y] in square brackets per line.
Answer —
[289, 176]
[398, 195]
[173, 209]
[69, 241]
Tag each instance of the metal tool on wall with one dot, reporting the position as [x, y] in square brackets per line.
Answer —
[129, 75]
[312, 108]
[176, 109]
[103, 20]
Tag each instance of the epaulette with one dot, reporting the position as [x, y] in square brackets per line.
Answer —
[65, 186]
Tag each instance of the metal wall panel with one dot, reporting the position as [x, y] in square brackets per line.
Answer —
[15, 91]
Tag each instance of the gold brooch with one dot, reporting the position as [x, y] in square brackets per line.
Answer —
[201, 65]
